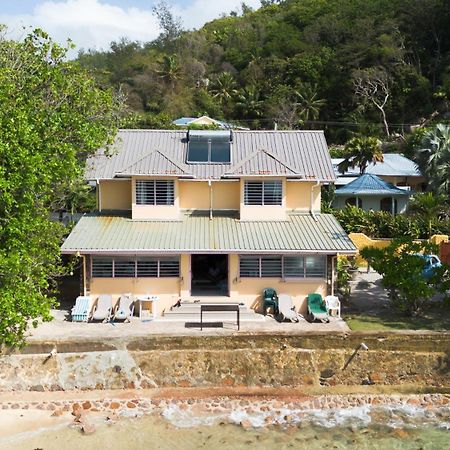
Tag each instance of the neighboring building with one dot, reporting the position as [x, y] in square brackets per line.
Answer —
[210, 214]
[395, 169]
[370, 192]
[185, 122]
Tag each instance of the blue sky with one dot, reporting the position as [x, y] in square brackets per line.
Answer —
[95, 23]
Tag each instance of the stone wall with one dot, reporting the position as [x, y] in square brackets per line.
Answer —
[418, 360]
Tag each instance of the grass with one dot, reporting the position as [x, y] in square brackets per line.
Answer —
[436, 319]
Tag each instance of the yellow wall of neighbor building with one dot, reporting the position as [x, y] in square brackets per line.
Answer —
[142, 212]
[114, 194]
[298, 196]
[196, 194]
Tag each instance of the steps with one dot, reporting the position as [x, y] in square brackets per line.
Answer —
[190, 312]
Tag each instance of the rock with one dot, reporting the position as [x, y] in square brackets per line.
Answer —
[88, 428]
[131, 405]
[86, 405]
[114, 405]
[400, 433]
[37, 388]
[246, 424]
[57, 412]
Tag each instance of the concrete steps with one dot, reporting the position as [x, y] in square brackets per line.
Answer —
[190, 312]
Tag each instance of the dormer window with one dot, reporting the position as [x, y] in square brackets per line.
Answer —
[213, 147]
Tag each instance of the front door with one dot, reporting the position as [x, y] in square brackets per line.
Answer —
[209, 275]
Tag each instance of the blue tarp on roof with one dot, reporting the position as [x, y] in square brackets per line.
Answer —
[369, 184]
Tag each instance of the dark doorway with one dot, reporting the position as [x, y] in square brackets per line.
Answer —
[209, 275]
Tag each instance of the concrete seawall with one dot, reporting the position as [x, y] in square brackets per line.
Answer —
[414, 360]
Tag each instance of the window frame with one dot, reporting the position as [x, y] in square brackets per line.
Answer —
[263, 191]
[136, 260]
[209, 142]
[157, 183]
[283, 258]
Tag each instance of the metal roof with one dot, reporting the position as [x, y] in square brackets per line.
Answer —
[305, 151]
[369, 184]
[300, 233]
[393, 165]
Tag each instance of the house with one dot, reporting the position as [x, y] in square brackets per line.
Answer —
[371, 193]
[217, 215]
[185, 122]
[395, 169]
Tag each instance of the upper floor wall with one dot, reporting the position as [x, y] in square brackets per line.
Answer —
[166, 197]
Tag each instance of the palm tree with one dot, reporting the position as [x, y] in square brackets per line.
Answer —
[308, 102]
[250, 103]
[360, 152]
[429, 207]
[170, 70]
[433, 159]
[223, 87]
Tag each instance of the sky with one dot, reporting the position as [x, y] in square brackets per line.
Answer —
[95, 23]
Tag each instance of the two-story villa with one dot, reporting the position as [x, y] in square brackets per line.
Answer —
[210, 215]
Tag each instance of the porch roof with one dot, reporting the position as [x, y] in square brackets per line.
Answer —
[196, 233]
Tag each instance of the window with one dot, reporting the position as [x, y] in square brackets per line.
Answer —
[354, 201]
[131, 268]
[386, 204]
[155, 192]
[263, 192]
[282, 266]
[209, 147]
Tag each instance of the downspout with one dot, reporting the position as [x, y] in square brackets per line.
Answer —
[311, 210]
[210, 200]
[99, 197]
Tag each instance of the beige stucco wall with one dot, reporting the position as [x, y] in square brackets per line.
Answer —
[226, 195]
[114, 194]
[143, 212]
[196, 194]
[298, 196]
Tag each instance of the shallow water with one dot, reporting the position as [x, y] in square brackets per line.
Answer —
[356, 428]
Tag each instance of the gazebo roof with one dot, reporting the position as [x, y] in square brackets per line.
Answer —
[369, 184]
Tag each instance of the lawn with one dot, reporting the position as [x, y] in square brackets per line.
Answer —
[436, 319]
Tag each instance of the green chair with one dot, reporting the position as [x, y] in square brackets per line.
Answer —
[270, 300]
[317, 309]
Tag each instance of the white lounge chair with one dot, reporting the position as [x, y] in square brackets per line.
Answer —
[82, 309]
[102, 308]
[332, 304]
[125, 308]
[287, 309]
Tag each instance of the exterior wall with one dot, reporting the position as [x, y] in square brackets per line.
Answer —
[196, 195]
[114, 195]
[298, 196]
[415, 183]
[372, 202]
[255, 212]
[143, 212]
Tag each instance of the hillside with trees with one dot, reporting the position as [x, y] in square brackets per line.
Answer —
[350, 67]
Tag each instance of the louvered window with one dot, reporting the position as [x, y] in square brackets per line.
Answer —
[263, 192]
[141, 268]
[155, 192]
[282, 266]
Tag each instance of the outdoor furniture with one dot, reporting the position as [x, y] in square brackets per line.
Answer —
[102, 308]
[125, 308]
[152, 299]
[287, 309]
[270, 300]
[221, 308]
[81, 310]
[317, 308]
[333, 305]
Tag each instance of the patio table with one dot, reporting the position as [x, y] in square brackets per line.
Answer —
[152, 299]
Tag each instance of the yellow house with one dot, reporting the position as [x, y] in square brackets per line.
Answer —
[212, 215]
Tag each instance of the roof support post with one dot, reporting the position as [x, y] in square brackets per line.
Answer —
[311, 209]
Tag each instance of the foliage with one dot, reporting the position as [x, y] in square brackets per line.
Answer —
[433, 159]
[401, 268]
[360, 152]
[343, 277]
[53, 116]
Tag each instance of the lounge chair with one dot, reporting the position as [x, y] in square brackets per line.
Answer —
[82, 309]
[333, 304]
[317, 308]
[102, 308]
[270, 300]
[287, 309]
[125, 308]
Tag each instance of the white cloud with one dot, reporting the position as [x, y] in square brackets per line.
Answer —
[95, 23]
[89, 23]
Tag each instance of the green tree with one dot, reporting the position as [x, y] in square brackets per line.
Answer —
[360, 152]
[433, 159]
[53, 116]
[308, 102]
[223, 88]
[249, 102]
[170, 70]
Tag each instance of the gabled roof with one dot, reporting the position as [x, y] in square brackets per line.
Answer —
[393, 164]
[297, 154]
[156, 163]
[299, 233]
[369, 184]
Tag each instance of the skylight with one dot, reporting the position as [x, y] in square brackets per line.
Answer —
[209, 147]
